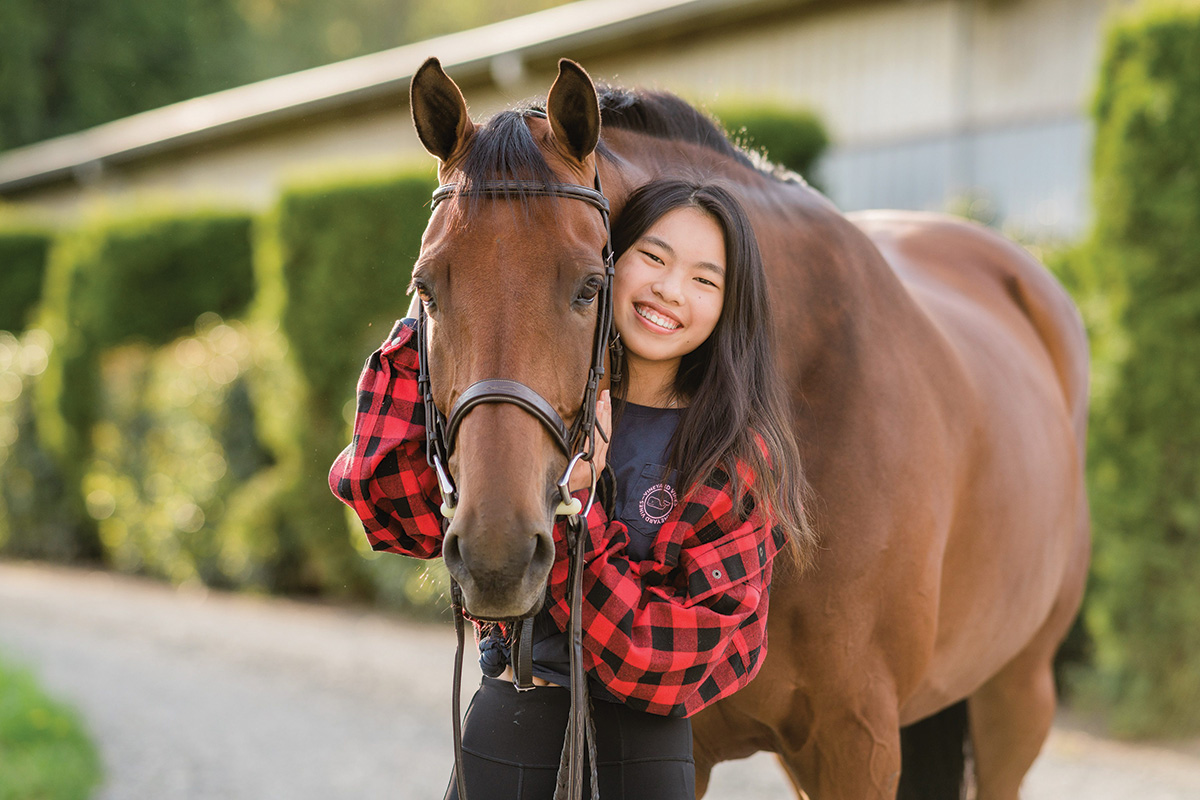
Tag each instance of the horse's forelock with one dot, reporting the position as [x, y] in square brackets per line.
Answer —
[503, 148]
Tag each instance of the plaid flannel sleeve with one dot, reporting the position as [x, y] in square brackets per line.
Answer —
[687, 626]
[383, 474]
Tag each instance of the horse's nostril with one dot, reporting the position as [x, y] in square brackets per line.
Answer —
[543, 549]
[451, 553]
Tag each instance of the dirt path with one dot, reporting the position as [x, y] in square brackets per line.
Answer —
[198, 695]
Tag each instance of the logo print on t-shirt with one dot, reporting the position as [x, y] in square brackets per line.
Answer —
[657, 503]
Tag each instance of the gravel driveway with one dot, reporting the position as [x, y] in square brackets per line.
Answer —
[199, 695]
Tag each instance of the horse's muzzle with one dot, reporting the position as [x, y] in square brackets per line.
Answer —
[502, 574]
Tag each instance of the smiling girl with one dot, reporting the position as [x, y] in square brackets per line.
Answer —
[701, 488]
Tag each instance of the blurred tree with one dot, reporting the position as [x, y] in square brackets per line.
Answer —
[428, 19]
[70, 64]
[66, 65]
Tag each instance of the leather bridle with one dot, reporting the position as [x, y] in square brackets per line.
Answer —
[577, 443]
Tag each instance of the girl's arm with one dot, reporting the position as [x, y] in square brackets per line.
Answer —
[383, 474]
[675, 632]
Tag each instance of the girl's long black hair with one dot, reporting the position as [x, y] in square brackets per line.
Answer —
[737, 409]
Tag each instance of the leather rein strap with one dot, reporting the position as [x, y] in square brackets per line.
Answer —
[440, 437]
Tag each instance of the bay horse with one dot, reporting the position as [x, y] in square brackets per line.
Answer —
[939, 381]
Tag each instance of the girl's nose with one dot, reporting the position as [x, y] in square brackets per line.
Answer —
[668, 288]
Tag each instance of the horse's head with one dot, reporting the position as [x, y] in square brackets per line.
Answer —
[510, 285]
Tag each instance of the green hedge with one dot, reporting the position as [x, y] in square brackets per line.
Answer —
[23, 252]
[138, 278]
[334, 262]
[174, 438]
[39, 517]
[1144, 609]
[792, 138]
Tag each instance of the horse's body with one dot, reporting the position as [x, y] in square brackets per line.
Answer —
[939, 381]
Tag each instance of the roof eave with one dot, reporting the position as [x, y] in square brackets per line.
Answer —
[467, 56]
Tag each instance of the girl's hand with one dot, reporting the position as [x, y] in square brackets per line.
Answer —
[581, 476]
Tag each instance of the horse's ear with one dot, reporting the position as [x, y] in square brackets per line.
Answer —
[573, 110]
[439, 111]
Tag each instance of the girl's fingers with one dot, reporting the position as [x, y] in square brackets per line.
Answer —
[604, 420]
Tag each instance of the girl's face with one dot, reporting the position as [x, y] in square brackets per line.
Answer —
[669, 288]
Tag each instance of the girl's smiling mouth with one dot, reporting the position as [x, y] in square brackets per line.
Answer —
[656, 319]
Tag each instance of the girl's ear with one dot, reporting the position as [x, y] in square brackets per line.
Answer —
[574, 110]
[439, 111]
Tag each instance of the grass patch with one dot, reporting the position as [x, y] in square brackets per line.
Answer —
[44, 752]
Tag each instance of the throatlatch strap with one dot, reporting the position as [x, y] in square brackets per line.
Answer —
[522, 654]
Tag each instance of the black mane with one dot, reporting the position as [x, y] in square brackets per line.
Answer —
[504, 148]
[666, 116]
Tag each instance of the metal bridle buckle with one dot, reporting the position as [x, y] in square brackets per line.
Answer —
[446, 487]
[569, 506]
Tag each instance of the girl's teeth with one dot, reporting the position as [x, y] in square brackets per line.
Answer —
[662, 322]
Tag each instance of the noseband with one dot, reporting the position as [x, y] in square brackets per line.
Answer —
[576, 443]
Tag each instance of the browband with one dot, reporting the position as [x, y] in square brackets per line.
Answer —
[526, 188]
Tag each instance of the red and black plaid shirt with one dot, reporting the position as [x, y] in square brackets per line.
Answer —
[668, 635]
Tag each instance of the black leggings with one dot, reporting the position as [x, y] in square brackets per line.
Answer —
[512, 742]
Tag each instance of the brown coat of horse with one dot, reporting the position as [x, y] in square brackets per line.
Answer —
[939, 379]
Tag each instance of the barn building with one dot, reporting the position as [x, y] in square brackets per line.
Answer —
[930, 103]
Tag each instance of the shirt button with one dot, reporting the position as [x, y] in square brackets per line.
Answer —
[716, 573]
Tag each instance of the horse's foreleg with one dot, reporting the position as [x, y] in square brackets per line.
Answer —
[726, 731]
[853, 749]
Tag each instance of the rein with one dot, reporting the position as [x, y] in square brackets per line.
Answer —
[577, 443]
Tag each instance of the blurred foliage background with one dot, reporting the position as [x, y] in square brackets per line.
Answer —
[1137, 283]
[72, 64]
[175, 385]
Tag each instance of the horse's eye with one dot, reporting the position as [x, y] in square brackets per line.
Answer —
[423, 292]
[589, 291]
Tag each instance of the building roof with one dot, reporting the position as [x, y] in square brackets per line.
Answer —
[488, 53]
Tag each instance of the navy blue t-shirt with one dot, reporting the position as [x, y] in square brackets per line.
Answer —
[645, 497]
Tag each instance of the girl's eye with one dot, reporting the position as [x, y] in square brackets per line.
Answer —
[652, 257]
[708, 282]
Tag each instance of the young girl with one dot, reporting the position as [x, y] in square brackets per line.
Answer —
[703, 487]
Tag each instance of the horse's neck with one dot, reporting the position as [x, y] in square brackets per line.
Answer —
[831, 289]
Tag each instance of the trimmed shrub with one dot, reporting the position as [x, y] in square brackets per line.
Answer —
[38, 515]
[792, 138]
[1144, 610]
[175, 436]
[334, 262]
[23, 252]
[145, 278]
